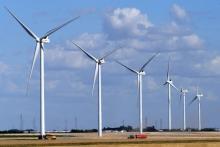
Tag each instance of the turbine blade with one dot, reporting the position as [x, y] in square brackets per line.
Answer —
[23, 25]
[174, 86]
[134, 71]
[168, 70]
[142, 68]
[95, 75]
[180, 97]
[33, 63]
[193, 100]
[59, 27]
[165, 83]
[85, 52]
[109, 53]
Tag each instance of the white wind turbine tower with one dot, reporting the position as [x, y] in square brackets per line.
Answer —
[40, 41]
[198, 96]
[140, 73]
[183, 94]
[99, 62]
[170, 84]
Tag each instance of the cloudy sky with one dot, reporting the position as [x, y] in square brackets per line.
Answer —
[186, 31]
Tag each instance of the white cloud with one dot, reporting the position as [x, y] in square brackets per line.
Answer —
[52, 84]
[211, 66]
[129, 22]
[58, 58]
[124, 53]
[122, 24]
[89, 41]
[151, 84]
[12, 87]
[193, 41]
[173, 28]
[178, 12]
[3, 67]
[210, 96]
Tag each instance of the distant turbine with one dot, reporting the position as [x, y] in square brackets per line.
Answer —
[98, 71]
[40, 48]
[170, 84]
[183, 94]
[198, 96]
[140, 73]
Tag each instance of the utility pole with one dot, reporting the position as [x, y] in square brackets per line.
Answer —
[155, 124]
[21, 122]
[66, 125]
[146, 122]
[76, 123]
[34, 124]
[161, 124]
[123, 123]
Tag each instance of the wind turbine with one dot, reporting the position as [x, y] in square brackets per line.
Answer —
[183, 94]
[40, 41]
[198, 96]
[139, 73]
[170, 84]
[99, 62]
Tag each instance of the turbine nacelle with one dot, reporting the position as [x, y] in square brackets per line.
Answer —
[101, 61]
[184, 90]
[45, 40]
[169, 82]
[142, 73]
[199, 95]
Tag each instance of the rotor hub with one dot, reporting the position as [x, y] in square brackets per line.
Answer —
[170, 81]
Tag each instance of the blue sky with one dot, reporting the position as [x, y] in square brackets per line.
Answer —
[187, 31]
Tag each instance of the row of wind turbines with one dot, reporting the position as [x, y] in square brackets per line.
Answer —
[183, 93]
[40, 41]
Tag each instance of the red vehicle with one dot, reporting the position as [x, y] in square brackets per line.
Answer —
[141, 136]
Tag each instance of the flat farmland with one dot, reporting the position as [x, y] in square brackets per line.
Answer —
[155, 139]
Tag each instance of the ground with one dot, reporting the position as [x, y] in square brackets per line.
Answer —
[154, 139]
